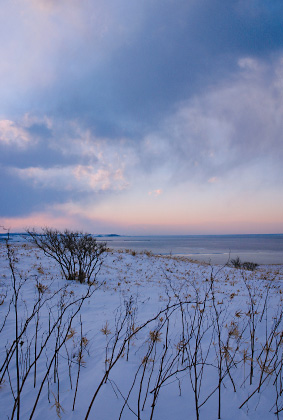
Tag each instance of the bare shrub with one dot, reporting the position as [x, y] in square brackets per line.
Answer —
[237, 263]
[249, 266]
[77, 253]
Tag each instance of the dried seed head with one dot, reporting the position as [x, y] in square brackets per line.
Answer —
[71, 333]
[155, 336]
[105, 330]
[41, 288]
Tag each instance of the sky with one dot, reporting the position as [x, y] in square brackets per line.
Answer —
[142, 117]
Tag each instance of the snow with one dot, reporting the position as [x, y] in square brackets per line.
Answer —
[176, 295]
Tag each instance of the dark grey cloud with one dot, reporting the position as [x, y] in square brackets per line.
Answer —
[40, 154]
[181, 50]
[40, 130]
[19, 198]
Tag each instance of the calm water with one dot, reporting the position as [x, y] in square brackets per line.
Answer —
[262, 249]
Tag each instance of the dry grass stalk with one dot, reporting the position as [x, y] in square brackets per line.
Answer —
[105, 330]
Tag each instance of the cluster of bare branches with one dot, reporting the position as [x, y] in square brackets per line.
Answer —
[247, 265]
[78, 254]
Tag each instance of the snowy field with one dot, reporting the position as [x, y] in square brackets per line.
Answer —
[153, 338]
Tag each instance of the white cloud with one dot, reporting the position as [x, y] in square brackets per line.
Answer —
[232, 125]
[249, 63]
[13, 134]
[16, 133]
[73, 178]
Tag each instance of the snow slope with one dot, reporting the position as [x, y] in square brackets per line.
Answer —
[153, 335]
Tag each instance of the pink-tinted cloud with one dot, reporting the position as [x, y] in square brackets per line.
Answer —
[38, 220]
[13, 135]
[73, 178]
[213, 179]
[155, 193]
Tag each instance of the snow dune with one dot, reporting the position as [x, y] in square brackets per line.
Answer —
[154, 338]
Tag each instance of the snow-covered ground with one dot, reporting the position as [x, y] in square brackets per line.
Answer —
[154, 338]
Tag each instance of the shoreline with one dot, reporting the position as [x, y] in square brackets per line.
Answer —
[189, 258]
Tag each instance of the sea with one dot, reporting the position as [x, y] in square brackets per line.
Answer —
[217, 249]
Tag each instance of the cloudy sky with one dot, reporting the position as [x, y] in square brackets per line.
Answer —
[142, 116]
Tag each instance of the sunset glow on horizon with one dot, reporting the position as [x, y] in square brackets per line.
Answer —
[142, 118]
